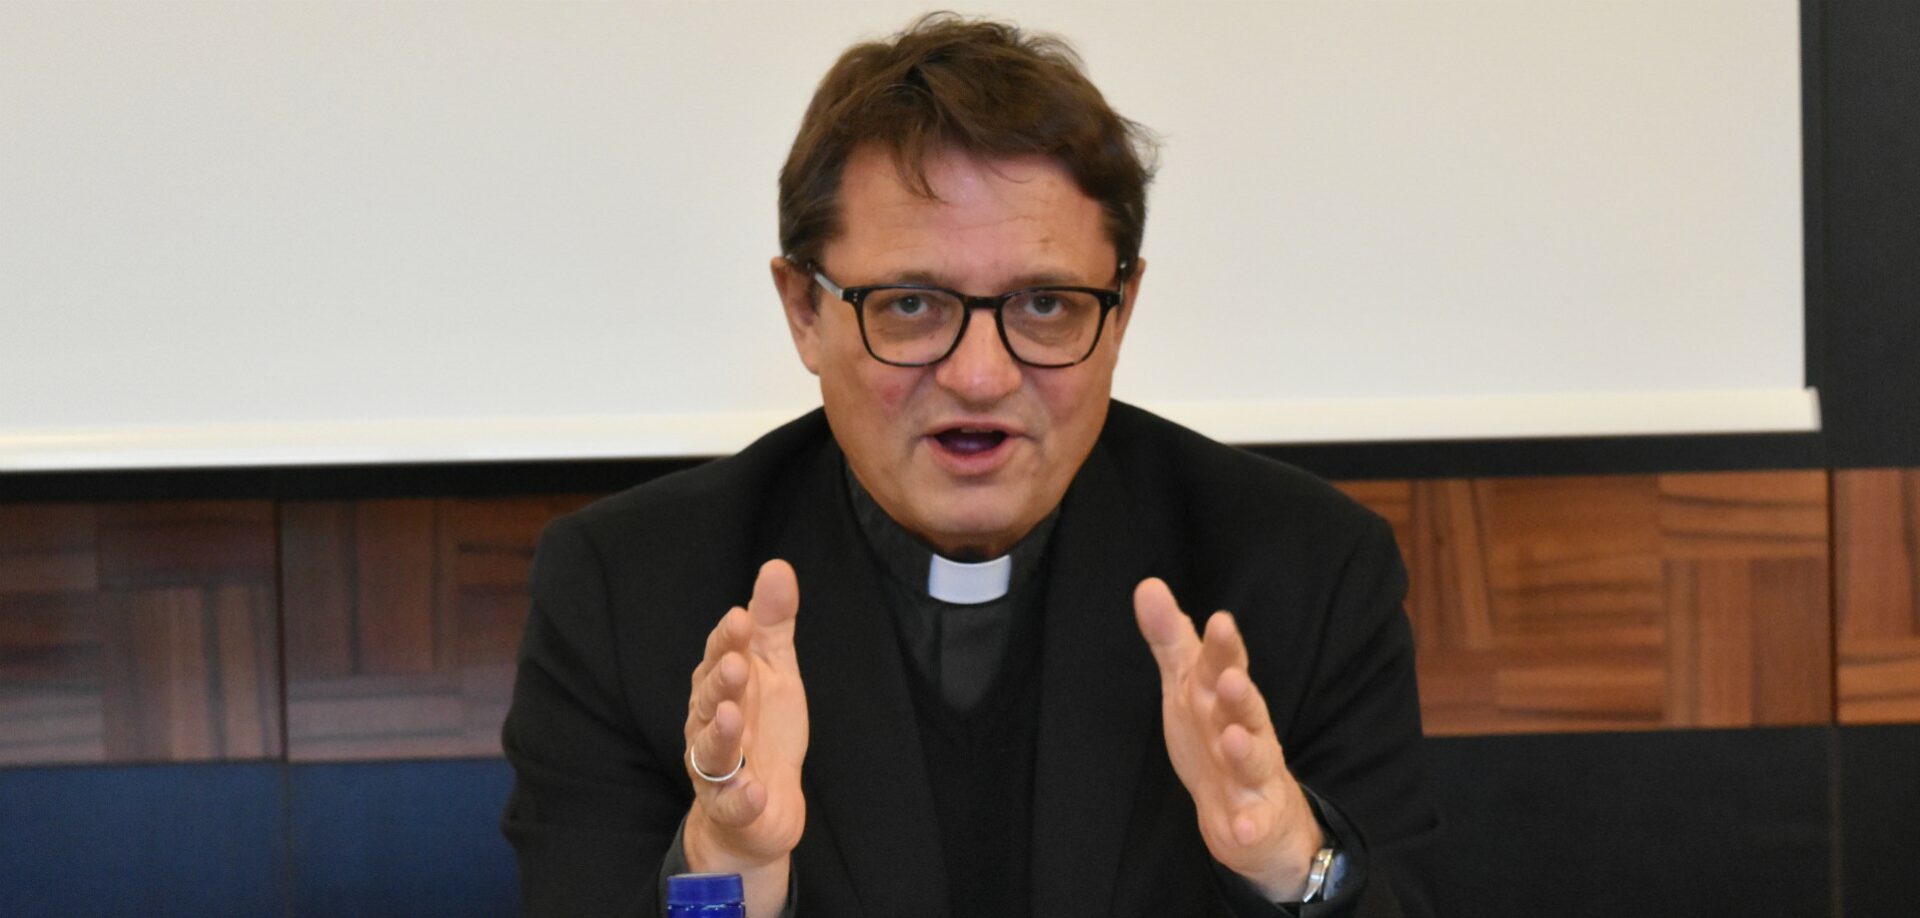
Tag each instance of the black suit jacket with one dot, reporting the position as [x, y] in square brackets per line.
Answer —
[626, 591]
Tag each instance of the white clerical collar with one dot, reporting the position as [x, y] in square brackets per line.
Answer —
[968, 584]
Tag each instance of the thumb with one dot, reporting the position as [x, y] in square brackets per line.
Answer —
[775, 602]
[1169, 632]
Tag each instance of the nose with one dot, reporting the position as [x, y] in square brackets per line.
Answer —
[979, 371]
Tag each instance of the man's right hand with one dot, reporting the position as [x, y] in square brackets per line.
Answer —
[747, 700]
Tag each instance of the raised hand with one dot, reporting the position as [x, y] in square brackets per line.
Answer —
[747, 700]
[1253, 815]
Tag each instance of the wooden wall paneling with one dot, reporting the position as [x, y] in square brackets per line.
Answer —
[138, 632]
[245, 643]
[190, 607]
[148, 631]
[1615, 602]
[1877, 594]
[317, 576]
[48, 548]
[405, 622]
[165, 639]
[394, 587]
[486, 552]
[162, 543]
[1576, 596]
[1754, 548]
[361, 680]
[50, 648]
[1793, 649]
[51, 705]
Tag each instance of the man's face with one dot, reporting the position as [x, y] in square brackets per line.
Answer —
[971, 452]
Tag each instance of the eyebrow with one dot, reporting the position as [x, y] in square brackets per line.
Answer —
[1033, 279]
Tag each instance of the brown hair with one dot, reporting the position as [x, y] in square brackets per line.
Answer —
[981, 87]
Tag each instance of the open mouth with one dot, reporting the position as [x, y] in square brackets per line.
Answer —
[970, 441]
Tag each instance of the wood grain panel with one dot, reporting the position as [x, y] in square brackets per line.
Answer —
[1877, 594]
[396, 572]
[138, 632]
[48, 548]
[1616, 602]
[316, 576]
[153, 544]
[148, 631]
[403, 620]
[50, 687]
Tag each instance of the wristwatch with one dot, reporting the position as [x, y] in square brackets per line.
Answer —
[1318, 874]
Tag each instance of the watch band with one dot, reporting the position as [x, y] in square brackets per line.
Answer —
[1317, 875]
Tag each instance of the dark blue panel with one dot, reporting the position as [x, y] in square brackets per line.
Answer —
[402, 838]
[1880, 820]
[1695, 822]
[1870, 178]
[141, 840]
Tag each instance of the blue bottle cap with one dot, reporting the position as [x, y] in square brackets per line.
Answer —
[704, 889]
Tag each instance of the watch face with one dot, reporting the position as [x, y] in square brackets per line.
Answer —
[1336, 871]
[1320, 875]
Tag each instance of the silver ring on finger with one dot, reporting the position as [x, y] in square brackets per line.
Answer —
[716, 779]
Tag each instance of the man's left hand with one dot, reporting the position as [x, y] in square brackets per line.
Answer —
[1253, 815]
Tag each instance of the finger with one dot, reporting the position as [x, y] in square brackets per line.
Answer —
[1250, 760]
[1241, 702]
[717, 746]
[776, 600]
[730, 633]
[738, 802]
[1221, 648]
[725, 681]
[1168, 631]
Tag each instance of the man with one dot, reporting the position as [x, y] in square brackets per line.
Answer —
[973, 557]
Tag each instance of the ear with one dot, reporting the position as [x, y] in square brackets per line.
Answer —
[799, 300]
[1130, 292]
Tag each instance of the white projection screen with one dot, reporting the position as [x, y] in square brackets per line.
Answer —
[239, 234]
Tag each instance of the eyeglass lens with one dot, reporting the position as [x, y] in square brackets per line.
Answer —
[905, 325]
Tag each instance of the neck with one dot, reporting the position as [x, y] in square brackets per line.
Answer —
[958, 570]
[970, 549]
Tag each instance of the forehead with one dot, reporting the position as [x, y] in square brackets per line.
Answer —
[987, 218]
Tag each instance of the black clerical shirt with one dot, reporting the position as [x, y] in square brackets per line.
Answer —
[975, 674]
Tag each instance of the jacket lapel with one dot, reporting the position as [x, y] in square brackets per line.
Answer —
[865, 774]
[1100, 697]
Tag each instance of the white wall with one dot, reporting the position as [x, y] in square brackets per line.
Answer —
[239, 233]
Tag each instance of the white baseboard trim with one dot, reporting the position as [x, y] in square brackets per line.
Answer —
[1461, 417]
[662, 436]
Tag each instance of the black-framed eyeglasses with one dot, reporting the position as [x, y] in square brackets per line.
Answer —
[916, 325]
